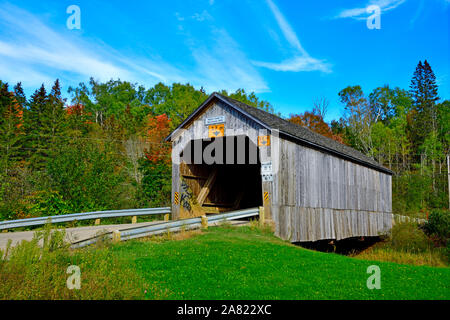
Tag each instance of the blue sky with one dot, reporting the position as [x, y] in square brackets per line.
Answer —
[288, 52]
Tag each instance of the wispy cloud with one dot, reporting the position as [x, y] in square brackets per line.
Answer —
[202, 16]
[28, 44]
[226, 65]
[361, 12]
[34, 53]
[301, 61]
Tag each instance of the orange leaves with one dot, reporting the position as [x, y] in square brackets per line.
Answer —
[315, 122]
[158, 127]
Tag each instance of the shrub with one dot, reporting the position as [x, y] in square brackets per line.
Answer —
[48, 203]
[438, 225]
[409, 237]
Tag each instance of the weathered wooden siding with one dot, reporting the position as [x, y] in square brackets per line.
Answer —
[314, 195]
[318, 196]
[235, 124]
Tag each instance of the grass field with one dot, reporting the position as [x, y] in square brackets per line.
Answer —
[248, 263]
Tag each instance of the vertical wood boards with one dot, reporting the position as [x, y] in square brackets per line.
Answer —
[314, 195]
[320, 196]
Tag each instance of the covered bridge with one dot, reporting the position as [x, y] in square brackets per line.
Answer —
[228, 155]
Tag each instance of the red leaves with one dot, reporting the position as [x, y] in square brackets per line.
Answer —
[316, 123]
[158, 127]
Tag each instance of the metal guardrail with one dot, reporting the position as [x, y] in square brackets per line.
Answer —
[171, 226]
[10, 224]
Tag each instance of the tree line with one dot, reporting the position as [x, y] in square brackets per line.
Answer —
[104, 149]
[407, 130]
[101, 150]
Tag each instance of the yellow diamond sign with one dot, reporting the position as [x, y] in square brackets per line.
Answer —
[216, 130]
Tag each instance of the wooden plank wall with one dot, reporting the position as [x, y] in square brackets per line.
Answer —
[314, 195]
[318, 196]
[235, 124]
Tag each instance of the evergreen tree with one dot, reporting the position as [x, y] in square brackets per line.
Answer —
[423, 90]
[10, 128]
[55, 117]
[36, 132]
[20, 95]
[44, 124]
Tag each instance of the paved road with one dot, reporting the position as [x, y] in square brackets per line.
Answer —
[72, 234]
[82, 233]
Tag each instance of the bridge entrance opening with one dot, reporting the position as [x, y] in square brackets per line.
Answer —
[220, 174]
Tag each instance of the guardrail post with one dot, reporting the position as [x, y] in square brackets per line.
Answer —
[116, 236]
[204, 222]
[134, 219]
[97, 222]
[5, 231]
[166, 217]
[261, 216]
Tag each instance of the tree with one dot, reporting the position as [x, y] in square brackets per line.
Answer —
[358, 118]
[44, 124]
[11, 131]
[250, 99]
[423, 90]
[177, 101]
[87, 175]
[314, 120]
[156, 165]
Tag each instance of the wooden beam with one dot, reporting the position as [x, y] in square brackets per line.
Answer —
[211, 210]
[207, 187]
[190, 176]
[226, 205]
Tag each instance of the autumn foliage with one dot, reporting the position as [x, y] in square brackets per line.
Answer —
[314, 121]
[158, 127]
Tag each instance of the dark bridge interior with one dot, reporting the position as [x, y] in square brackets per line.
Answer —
[226, 176]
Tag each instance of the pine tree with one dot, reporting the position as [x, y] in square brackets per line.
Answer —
[36, 132]
[44, 124]
[423, 89]
[430, 93]
[10, 128]
[20, 95]
[55, 116]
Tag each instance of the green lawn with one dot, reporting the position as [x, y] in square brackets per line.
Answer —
[245, 263]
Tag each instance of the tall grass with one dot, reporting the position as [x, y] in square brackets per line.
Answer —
[37, 269]
[407, 244]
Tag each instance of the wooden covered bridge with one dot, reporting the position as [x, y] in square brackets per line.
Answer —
[228, 155]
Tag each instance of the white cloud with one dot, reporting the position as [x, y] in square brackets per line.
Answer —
[288, 33]
[33, 46]
[202, 16]
[301, 61]
[361, 13]
[297, 64]
[34, 53]
[226, 66]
